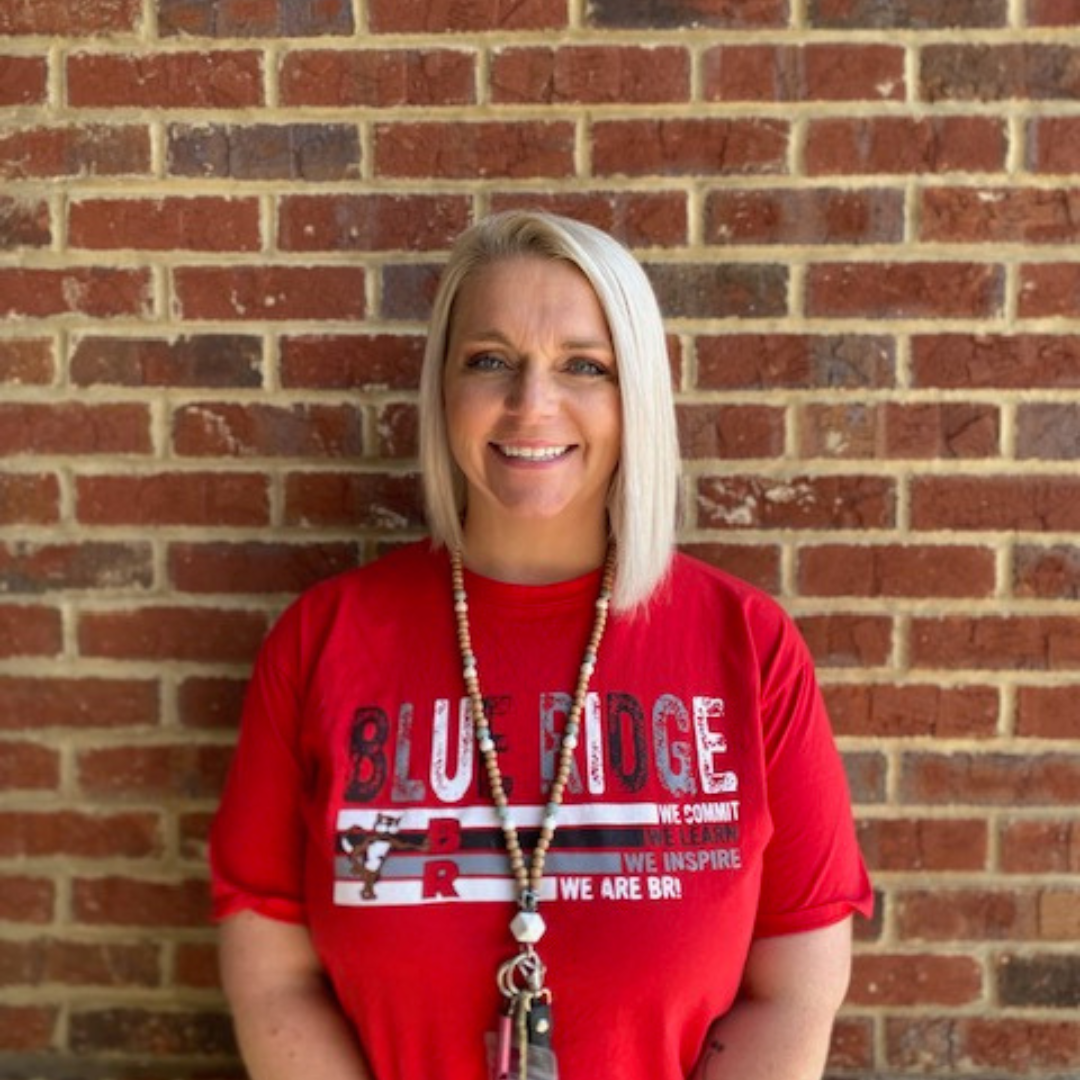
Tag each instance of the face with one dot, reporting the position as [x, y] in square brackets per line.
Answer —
[531, 394]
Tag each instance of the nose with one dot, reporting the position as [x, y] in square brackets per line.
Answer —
[532, 391]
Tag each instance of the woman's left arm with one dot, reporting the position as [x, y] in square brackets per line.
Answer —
[780, 1025]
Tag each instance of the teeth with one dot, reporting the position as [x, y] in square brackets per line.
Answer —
[534, 453]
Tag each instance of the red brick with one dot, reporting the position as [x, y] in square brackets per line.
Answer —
[74, 428]
[25, 900]
[363, 362]
[158, 772]
[826, 72]
[1047, 980]
[730, 431]
[24, 80]
[915, 290]
[1053, 142]
[991, 361]
[24, 223]
[912, 710]
[818, 216]
[256, 567]
[124, 901]
[26, 766]
[354, 499]
[907, 14]
[50, 833]
[866, 776]
[1050, 573]
[219, 430]
[699, 147]
[397, 431]
[62, 19]
[459, 16]
[312, 152]
[145, 1034]
[193, 830]
[71, 702]
[253, 18]
[965, 915]
[842, 641]
[1053, 12]
[370, 222]
[379, 78]
[1037, 71]
[894, 570]
[756, 563]
[99, 292]
[672, 14]
[999, 215]
[590, 75]
[30, 499]
[637, 218]
[1048, 643]
[924, 845]
[209, 702]
[852, 1045]
[1035, 503]
[27, 630]
[26, 361]
[989, 779]
[1048, 430]
[771, 361]
[798, 502]
[28, 1028]
[86, 150]
[173, 224]
[270, 292]
[171, 633]
[197, 966]
[73, 963]
[1047, 712]
[904, 145]
[1040, 847]
[200, 360]
[28, 567]
[922, 980]
[469, 151]
[1048, 290]
[408, 290]
[214, 79]
[718, 290]
[173, 499]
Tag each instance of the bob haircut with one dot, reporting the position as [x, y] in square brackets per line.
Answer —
[643, 498]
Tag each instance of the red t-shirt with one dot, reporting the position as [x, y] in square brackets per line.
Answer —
[707, 806]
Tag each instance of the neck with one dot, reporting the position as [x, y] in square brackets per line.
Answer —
[533, 553]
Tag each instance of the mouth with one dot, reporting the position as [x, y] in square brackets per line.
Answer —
[531, 453]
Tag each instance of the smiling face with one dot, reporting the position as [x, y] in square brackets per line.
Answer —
[532, 398]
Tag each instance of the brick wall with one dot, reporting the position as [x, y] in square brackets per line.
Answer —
[220, 224]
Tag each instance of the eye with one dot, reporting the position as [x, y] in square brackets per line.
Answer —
[584, 365]
[485, 361]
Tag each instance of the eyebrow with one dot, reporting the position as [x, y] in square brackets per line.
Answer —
[571, 343]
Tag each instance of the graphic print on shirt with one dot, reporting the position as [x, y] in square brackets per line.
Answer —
[662, 811]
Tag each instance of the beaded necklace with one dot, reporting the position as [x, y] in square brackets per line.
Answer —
[521, 979]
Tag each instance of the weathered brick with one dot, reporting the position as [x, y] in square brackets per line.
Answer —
[28, 1027]
[1036, 503]
[852, 1044]
[29, 498]
[61, 19]
[774, 361]
[142, 1032]
[254, 18]
[1048, 430]
[885, 711]
[1053, 12]
[1049, 981]
[26, 361]
[756, 563]
[172, 224]
[216, 79]
[1050, 573]
[650, 15]
[24, 223]
[989, 779]
[210, 702]
[590, 74]
[171, 633]
[27, 567]
[256, 567]
[466, 151]
[123, 901]
[98, 292]
[717, 290]
[74, 963]
[1053, 142]
[198, 360]
[904, 979]
[197, 966]
[72, 702]
[29, 630]
[866, 777]
[698, 147]
[270, 292]
[370, 222]
[460, 16]
[1048, 290]
[27, 766]
[1036, 71]
[816, 216]
[989, 215]
[357, 500]
[312, 152]
[924, 845]
[907, 14]
[364, 362]
[915, 290]
[826, 72]
[25, 899]
[23, 80]
[74, 428]
[397, 431]
[173, 499]
[993, 361]
[1047, 712]
[36, 834]
[1040, 847]
[905, 145]
[1015, 642]
[379, 78]
[954, 915]
[74, 151]
[815, 502]
[730, 431]
[184, 770]
[843, 641]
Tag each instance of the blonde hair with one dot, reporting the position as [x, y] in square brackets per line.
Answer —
[644, 493]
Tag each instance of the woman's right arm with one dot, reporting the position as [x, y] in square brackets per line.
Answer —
[288, 1023]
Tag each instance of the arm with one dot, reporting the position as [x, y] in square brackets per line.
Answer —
[287, 1022]
[779, 1026]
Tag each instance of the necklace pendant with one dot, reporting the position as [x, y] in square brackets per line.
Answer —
[527, 927]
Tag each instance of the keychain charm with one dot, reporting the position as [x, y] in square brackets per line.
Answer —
[520, 1048]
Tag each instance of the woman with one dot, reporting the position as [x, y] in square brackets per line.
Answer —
[539, 788]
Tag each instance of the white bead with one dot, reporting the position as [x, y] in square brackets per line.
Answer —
[528, 927]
